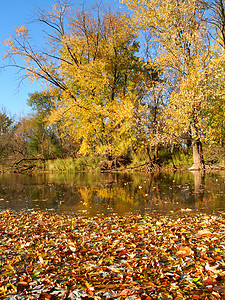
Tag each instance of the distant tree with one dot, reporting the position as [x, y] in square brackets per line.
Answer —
[43, 140]
[5, 122]
[6, 132]
[46, 140]
[22, 134]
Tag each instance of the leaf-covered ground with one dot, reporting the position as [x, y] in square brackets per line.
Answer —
[50, 256]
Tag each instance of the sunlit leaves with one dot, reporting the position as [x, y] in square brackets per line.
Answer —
[215, 109]
[179, 34]
[99, 73]
[22, 30]
[45, 255]
[89, 59]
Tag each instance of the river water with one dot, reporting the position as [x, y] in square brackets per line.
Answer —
[92, 194]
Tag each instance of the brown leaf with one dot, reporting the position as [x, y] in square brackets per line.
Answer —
[45, 296]
[219, 288]
[23, 283]
[209, 281]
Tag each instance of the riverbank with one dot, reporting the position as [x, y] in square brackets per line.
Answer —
[45, 255]
[179, 160]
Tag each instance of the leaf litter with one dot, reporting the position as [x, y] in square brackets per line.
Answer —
[45, 255]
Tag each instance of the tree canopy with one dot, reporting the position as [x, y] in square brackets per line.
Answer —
[110, 91]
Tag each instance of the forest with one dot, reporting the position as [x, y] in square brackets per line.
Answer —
[144, 80]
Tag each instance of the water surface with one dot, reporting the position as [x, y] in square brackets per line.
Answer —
[92, 194]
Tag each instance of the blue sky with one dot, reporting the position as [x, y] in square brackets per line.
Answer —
[14, 13]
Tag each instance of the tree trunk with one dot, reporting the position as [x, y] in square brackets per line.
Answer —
[148, 153]
[197, 155]
[156, 154]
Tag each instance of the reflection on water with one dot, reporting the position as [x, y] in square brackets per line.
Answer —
[91, 194]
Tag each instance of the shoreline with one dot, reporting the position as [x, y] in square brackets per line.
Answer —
[130, 169]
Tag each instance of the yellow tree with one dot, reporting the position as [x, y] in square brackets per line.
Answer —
[215, 111]
[89, 66]
[103, 81]
[179, 39]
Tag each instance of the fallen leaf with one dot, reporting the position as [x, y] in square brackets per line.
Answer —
[23, 283]
[203, 233]
[45, 296]
[125, 293]
[212, 269]
[184, 251]
[209, 281]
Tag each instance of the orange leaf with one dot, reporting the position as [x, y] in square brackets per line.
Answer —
[184, 251]
[209, 281]
[203, 233]
[125, 293]
[218, 257]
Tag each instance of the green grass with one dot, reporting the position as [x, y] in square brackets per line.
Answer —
[73, 164]
[137, 159]
[181, 159]
[215, 154]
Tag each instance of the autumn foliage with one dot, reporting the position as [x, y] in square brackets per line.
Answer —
[130, 82]
[50, 256]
